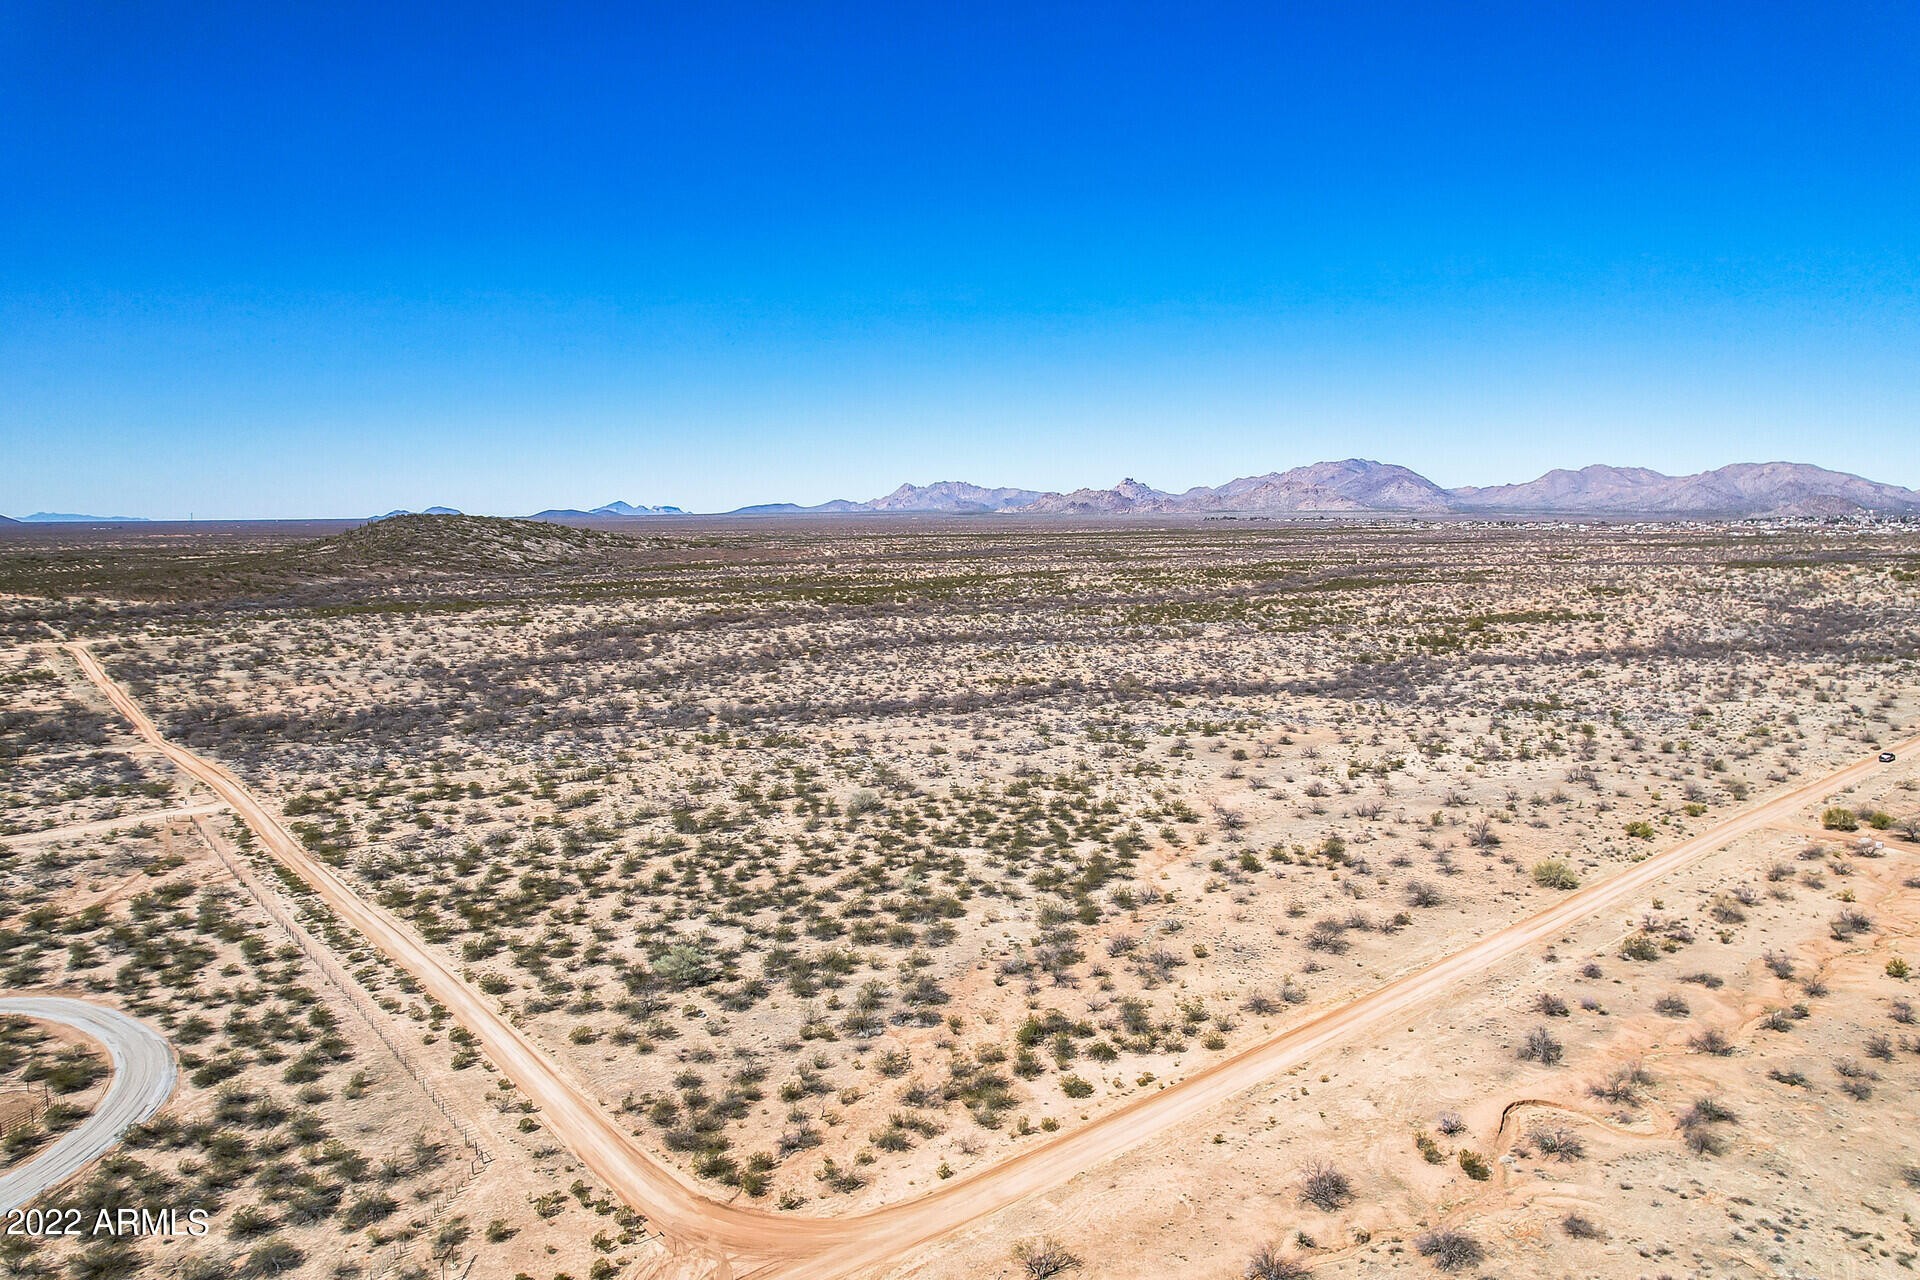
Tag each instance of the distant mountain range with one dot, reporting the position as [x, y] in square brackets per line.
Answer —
[613, 510]
[1357, 486]
[67, 517]
[1352, 487]
[429, 511]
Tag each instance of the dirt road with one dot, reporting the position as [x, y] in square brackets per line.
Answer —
[143, 1076]
[747, 1241]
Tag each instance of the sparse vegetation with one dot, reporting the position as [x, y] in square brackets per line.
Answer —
[945, 840]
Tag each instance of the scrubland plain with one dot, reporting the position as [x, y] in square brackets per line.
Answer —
[845, 860]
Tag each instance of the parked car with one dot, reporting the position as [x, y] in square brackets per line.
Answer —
[1886, 757]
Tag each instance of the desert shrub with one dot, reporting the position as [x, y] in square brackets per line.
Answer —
[369, 1210]
[1696, 1126]
[845, 1180]
[1640, 945]
[1848, 923]
[1706, 1110]
[1839, 819]
[274, 1258]
[1268, 1263]
[1324, 1187]
[1580, 1227]
[1042, 1258]
[1558, 1141]
[250, 1220]
[1623, 1084]
[1450, 1250]
[1711, 1040]
[1554, 873]
[1540, 1046]
[1704, 1142]
[1422, 894]
[72, 1071]
[1328, 934]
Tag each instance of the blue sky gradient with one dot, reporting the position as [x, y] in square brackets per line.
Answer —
[329, 260]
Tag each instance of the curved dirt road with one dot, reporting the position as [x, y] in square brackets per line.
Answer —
[762, 1243]
[143, 1076]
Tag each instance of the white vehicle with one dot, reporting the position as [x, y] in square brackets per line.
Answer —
[1886, 757]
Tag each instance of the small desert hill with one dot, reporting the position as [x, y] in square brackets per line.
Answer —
[457, 544]
[388, 562]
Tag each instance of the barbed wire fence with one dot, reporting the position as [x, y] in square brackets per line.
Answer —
[403, 1253]
[356, 997]
[39, 1098]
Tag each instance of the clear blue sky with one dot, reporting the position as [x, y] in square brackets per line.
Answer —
[283, 260]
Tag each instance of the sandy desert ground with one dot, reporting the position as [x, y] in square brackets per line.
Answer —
[846, 861]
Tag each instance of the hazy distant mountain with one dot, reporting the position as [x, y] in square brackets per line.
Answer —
[839, 506]
[1743, 489]
[1128, 495]
[1352, 485]
[628, 509]
[430, 511]
[1358, 485]
[952, 496]
[8, 520]
[612, 510]
[67, 517]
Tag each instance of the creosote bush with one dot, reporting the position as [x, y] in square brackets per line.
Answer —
[1042, 1258]
[1268, 1263]
[1324, 1187]
[1555, 873]
[1449, 1249]
[1542, 1047]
